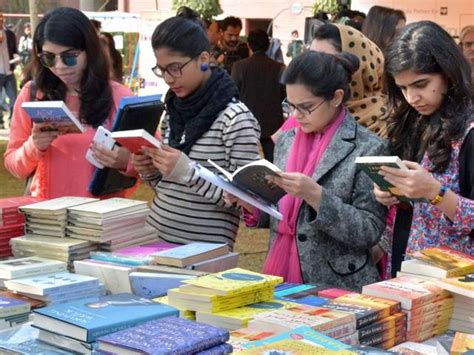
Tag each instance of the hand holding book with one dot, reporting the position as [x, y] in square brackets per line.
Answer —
[43, 137]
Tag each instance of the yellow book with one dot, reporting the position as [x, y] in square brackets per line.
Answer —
[216, 303]
[453, 262]
[293, 347]
[462, 343]
[236, 318]
[183, 313]
[230, 282]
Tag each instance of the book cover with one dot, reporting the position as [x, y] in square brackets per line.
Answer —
[23, 267]
[66, 343]
[39, 244]
[390, 306]
[303, 334]
[370, 350]
[462, 285]
[414, 348]
[90, 318]
[152, 285]
[371, 166]
[284, 289]
[11, 306]
[236, 318]
[9, 205]
[144, 250]
[170, 335]
[109, 207]
[34, 303]
[161, 269]
[334, 292]
[231, 282]
[363, 314]
[453, 262]
[462, 343]
[45, 285]
[310, 300]
[217, 264]
[410, 291]
[294, 347]
[252, 199]
[252, 178]
[188, 254]
[224, 348]
[135, 139]
[397, 320]
[54, 112]
[55, 206]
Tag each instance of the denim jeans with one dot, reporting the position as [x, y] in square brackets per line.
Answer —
[9, 83]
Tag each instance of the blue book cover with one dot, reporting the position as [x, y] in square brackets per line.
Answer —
[190, 253]
[284, 286]
[54, 112]
[132, 100]
[89, 318]
[48, 284]
[304, 334]
[290, 290]
[151, 285]
[221, 349]
[13, 307]
[165, 336]
[310, 300]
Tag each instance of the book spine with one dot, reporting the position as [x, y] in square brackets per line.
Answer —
[338, 331]
[11, 311]
[49, 269]
[396, 321]
[74, 286]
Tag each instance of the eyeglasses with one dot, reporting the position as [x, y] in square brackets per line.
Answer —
[49, 59]
[174, 70]
[289, 108]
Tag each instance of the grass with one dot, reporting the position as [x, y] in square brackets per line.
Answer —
[252, 244]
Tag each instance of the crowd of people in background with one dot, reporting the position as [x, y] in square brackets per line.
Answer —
[364, 85]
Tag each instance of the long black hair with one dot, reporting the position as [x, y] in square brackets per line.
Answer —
[184, 34]
[321, 73]
[424, 47]
[380, 25]
[69, 27]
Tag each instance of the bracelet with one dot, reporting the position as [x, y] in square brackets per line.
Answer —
[439, 197]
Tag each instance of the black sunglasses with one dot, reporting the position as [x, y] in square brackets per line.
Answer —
[49, 59]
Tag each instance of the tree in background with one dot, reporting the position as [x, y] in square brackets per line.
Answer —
[330, 6]
[206, 8]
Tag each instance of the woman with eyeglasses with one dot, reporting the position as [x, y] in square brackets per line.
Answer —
[330, 217]
[205, 120]
[69, 65]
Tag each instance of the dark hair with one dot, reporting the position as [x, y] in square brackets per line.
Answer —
[116, 60]
[329, 32]
[232, 22]
[294, 32]
[258, 41]
[97, 24]
[424, 47]
[380, 25]
[185, 34]
[69, 27]
[322, 73]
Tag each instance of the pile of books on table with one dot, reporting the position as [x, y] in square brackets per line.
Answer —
[12, 222]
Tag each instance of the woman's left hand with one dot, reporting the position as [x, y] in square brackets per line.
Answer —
[164, 158]
[117, 158]
[299, 185]
[416, 182]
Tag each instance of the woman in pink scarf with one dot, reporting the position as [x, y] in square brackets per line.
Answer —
[330, 216]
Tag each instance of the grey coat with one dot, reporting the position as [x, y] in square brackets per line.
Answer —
[334, 244]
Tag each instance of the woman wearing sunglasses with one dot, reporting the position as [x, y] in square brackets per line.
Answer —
[205, 120]
[68, 64]
[330, 217]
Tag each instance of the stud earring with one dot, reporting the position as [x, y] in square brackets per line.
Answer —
[204, 67]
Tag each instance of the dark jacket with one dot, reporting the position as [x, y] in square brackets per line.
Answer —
[258, 80]
[11, 43]
[334, 244]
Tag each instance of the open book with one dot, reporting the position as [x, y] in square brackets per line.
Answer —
[248, 183]
[55, 113]
[371, 166]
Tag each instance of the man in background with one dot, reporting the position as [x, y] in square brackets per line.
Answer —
[8, 59]
[258, 80]
[466, 39]
[25, 46]
[230, 49]
[295, 47]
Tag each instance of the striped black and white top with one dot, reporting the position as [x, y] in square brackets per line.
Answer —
[189, 209]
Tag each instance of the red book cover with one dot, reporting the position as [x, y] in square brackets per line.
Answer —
[334, 292]
[10, 204]
[134, 140]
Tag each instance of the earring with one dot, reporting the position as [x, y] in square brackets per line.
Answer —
[204, 67]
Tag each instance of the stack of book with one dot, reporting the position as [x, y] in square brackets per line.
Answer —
[12, 222]
[76, 325]
[332, 323]
[208, 257]
[428, 306]
[451, 270]
[169, 335]
[114, 223]
[63, 249]
[379, 322]
[223, 290]
[300, 293]
[49, 218]
[56, 288]
[13, 312]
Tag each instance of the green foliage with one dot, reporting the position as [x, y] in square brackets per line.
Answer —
[206, 8]
[22, 6]
[329, 6]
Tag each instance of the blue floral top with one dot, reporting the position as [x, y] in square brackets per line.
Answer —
[430, 227]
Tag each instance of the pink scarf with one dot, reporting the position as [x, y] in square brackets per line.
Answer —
[305, 155]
